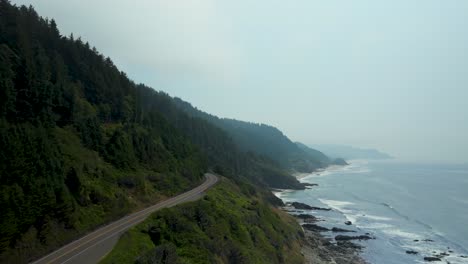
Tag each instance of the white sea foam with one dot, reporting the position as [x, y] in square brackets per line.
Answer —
[281, 193]
[378, 226]
[456, 260]
[355, 166]
[428, 249]
[395, 232]
[338, 205]
[375, 217]
[350, 217]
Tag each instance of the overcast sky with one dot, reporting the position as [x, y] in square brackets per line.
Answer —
[391, 75]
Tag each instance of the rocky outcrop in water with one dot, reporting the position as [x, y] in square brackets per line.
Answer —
[337, 229]
[307, 218]
[361, 237]
[430, 259]
[316, 228]
[320, 250]
[304, 206]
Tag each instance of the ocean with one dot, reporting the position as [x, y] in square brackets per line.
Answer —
[405, 206]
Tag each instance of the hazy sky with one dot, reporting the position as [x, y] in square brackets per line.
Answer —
[391, 75]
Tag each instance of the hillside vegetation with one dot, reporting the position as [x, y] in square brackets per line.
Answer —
[81, 144]
[265, 140]
[76, 149]
[231, 224]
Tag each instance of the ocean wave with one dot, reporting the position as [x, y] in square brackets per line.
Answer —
[354, 167]
[378, 226]
[428, 249]
[395, 232]
[281, 193]
[358, 170]
[335, 204]
[376, 217]
[395, 211]
[341, 206]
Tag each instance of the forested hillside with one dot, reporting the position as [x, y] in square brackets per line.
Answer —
[223, 152]
[231, 224]
[264, 139]
[81, 144]
[76, 147]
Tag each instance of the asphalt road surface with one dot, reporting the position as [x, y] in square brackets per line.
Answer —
[94, 246]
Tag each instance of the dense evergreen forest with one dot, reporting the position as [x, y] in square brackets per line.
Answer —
[81, 144]
[265, 140]
[77, 148]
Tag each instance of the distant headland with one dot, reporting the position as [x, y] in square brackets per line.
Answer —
[349, 152]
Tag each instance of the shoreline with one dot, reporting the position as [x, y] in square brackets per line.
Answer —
[319, 249]
[331, 168]
[322, 246]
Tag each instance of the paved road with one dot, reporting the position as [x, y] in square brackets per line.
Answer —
[94, 246]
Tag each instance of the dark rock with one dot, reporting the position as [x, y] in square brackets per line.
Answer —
[321, 208]
[431, 259]
[307, 218]
[411, 252]
[416, 240]
[310, 220]
[428, 240]
[298, 205]
[315, 228]
[292, 211]
[361, 237]
[348, 244]
[310, 184]
[303, 206]
[463, 256]
[348, 223]
[336, 229]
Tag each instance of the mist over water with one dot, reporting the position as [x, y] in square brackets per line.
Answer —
[420, 207]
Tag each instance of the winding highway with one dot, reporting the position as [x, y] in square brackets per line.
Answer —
[95, 245]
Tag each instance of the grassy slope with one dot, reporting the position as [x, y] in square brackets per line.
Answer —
[228, 225]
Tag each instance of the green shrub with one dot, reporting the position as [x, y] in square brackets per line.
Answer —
[225, 226]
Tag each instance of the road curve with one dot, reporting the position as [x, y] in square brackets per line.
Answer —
[94, 246]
